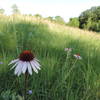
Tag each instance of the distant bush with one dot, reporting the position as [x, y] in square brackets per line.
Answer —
[38, 15]
[50, 18]
[59, 20]
[73, 22]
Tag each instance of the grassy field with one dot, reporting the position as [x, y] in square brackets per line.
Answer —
[62, 77]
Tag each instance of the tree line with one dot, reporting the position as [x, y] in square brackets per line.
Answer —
[88, 19]
[15, 10]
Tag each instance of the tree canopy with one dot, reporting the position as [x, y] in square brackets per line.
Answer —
[59, 20]
[90, 19]
[73, 22]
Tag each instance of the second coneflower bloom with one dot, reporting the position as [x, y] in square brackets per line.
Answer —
[25, 63]
[77, 56]
[68, 49]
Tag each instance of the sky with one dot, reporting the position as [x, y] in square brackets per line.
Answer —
[64, 8]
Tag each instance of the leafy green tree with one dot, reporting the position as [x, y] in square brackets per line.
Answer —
[59, 20]
[2, 11]
[90, 19]
[83, 18]
[15, 9]
[73, 22]
[95, 27]
[50, 18]
[97, 14]
[38, 15]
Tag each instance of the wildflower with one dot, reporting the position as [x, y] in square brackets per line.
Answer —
[25, 63]
[1, 62]
[68, 49]
[77, 56]
[30, 92]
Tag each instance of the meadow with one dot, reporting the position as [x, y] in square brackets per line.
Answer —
[62, 76]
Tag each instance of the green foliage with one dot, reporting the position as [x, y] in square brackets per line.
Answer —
[38, 15]
[50, 18]
[59, 20]
[9, 95]
[90, 19]
[95, 26]
[74, 22]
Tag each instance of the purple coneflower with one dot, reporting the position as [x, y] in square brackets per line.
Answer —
[68, 49]
[25, 63]
[30, 92]
[77, 56]
[1, 62]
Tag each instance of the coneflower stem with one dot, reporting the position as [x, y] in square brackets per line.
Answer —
[25, 87]
[73, 66]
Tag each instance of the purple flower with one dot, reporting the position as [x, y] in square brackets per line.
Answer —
[30, 92]
[68, 49]
[77, 56]
[1, 62]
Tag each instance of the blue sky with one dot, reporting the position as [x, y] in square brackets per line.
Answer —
[63, 8]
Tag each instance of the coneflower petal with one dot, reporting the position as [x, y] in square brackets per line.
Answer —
[29, 68]
[36, 65]
[20, 70]
[18, 67]
[13, 61]
[33, 67]
[36, 59]
[14, 65]
[24, 67]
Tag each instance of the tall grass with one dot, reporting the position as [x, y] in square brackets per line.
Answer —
[61, 77]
